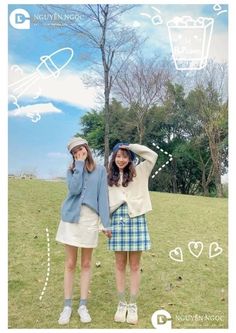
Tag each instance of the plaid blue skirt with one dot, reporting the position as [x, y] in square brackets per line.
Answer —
[128, 234]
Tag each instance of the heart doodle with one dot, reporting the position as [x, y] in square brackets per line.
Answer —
[195, 248]
[214, 250]
[176, 254]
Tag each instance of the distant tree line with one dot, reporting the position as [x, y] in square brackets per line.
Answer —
[191, 126]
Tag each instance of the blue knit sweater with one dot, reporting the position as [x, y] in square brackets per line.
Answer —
[86, 189]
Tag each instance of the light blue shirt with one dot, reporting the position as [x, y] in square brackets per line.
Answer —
[86, 189]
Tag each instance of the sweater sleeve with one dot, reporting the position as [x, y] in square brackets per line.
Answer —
[103, 203]
[149, 156]
[75, 180]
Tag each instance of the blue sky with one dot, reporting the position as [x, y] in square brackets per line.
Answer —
[41, 146]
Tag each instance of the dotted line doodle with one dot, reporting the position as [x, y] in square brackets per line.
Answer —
[48, 266]
[166, 163]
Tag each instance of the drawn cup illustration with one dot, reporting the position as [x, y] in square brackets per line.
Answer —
[190, 41]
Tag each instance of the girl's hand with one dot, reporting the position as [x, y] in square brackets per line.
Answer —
[108, 233]
[81, 154]
[124, 147]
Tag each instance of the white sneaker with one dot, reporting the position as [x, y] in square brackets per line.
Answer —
[84, 315]
[65, 316]
[132, 316]
[120, 314]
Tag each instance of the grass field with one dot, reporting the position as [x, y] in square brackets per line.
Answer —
[193, 291]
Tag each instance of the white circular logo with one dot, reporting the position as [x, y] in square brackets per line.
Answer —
[161, 319]
[20, 19]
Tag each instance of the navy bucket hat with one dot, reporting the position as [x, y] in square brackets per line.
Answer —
[117, 147]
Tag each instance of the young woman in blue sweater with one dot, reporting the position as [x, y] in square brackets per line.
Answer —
[87, 200]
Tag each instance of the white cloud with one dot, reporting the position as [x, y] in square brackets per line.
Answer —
[225, 178]
[219, 47]
[70, 88]
[34, 109]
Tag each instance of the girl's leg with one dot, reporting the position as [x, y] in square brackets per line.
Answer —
[120, 268]
[134, 262]
[86, 257]
[70, 265]
[85, 275]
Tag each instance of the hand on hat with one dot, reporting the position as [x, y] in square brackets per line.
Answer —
[124, 147]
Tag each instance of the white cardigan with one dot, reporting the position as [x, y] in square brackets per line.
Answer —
[136, 194]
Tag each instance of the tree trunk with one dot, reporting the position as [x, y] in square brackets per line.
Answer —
[107, 87]
[174, 178]
[219, 187]
[107, 128]
[204, 184]
[141, 127]
[141, 133]
[215, 155]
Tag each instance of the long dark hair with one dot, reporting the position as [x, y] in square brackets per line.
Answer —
[89, 165]
[114, 173]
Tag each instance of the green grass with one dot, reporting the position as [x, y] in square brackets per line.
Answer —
[196, 286]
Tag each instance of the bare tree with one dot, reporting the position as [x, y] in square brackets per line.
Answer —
[206, 166]
[111, 43]
[214, 75]
[214, 133]
[215, 80]
[141, 85]
[209, 117]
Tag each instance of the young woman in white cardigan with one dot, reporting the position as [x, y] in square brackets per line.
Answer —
[129, 201]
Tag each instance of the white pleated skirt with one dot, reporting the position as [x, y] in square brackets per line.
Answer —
[81, 234]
